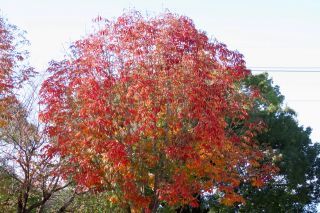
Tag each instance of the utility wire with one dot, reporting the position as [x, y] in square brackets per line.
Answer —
[286, 69]
[303, 100]
[289, 70]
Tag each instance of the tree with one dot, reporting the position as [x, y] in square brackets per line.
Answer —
[29, 177]
[14, 69]
[296, 187]
[35, 175]
[147, 110]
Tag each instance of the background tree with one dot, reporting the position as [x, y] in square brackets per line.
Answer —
[148, 110]
[83, 203]
[8, 189]
[29, 177]
[296, 187]
[14, 68]
[25, 164]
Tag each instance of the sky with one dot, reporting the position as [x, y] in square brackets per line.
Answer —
[271, 34]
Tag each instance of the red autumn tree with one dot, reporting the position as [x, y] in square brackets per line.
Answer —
[152, 111]
[14, 70]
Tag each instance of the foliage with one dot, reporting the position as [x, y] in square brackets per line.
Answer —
[94, 202]
[25, 164]
[296, 187]
[29, 176]
[148, 110]
[8, 191]
[14, 70]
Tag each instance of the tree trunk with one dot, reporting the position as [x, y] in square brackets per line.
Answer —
[128, 209]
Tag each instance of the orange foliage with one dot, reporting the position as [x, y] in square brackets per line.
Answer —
[152, 110]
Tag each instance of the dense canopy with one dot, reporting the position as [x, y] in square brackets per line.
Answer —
[153, 112]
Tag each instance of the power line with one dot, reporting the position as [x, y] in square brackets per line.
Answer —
[284, 71]
[290, 70]
[284, 67]
[303, 100]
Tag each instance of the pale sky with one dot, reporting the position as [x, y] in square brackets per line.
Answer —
[269, 33]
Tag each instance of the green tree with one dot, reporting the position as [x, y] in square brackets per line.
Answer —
[296, 187]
